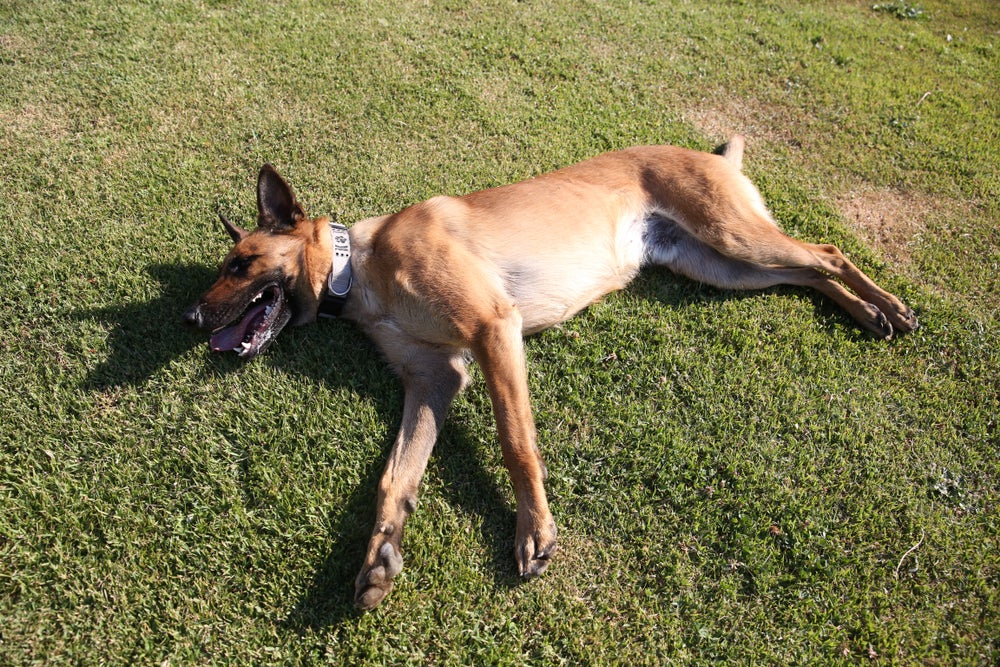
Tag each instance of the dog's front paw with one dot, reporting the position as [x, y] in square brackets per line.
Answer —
[901, 317]
[534, 547]
[904, 319]
[375, 579]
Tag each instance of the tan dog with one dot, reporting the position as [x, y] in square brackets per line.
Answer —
[454, 275]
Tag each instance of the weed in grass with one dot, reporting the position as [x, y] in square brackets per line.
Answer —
[900, 10]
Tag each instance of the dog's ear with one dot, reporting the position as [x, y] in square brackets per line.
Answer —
[235, 233]
[277, 208]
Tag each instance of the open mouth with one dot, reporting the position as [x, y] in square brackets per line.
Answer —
[262, 319]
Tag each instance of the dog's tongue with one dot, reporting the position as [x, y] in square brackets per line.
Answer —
[230, 338]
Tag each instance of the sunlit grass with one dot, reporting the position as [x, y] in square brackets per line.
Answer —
[736, 477]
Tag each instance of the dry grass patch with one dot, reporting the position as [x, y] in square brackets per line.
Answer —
[31, 121]
[894, 221]
[759, 122]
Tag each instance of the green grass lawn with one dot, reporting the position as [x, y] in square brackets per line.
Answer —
[736, 476]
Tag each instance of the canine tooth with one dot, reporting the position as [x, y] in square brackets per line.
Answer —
[245, 345]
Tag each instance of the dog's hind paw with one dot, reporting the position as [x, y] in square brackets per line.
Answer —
[881, 326]
[901, 317]
[375, 580]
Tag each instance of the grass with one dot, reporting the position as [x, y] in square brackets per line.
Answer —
[738, 477]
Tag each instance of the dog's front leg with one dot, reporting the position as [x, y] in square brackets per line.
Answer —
[431, 380]
[500, 352]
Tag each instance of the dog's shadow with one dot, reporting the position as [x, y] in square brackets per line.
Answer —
[146, 336]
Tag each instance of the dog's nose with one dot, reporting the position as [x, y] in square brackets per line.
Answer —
[192, 317]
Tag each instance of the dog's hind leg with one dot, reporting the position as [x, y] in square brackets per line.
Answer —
[431, 380]
[767, 245]
[669, 245]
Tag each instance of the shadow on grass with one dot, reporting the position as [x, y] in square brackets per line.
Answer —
[147, 335]
[329, 599]
[650, 283]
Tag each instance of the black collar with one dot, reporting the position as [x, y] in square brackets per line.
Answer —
[338, 285]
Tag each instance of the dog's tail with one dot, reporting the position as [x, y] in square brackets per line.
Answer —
[732, 150]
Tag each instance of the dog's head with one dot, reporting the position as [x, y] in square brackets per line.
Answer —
[272, 276]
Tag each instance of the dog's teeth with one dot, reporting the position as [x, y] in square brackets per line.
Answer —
[267, 311]
[245, 345]
[237, 349]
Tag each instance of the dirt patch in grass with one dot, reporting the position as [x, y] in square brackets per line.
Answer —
[43, 122]
[892, 221]
[721, 119]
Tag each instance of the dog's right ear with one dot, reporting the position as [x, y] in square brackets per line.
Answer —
[277, 208]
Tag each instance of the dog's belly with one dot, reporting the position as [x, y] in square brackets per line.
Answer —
[552, 287]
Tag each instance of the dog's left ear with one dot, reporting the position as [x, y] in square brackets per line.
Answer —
[235, 232]
[277, 208]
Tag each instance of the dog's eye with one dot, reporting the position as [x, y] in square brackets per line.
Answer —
[239, 265]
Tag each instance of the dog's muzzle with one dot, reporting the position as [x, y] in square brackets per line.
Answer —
[193, 318]
[248, 330]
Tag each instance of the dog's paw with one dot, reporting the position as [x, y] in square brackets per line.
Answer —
[873, 319]
[375, 579]
[904, 319]
[881, 326]
[534, 548]
[901, 317]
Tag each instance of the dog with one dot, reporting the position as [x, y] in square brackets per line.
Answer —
[452, 277]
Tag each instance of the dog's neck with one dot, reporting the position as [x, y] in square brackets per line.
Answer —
[338, 284]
